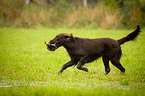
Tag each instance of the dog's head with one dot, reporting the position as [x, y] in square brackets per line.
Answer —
[58, 41]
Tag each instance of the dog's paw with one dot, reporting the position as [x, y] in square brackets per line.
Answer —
[106, 72]
[122, 73]
[59, 73]
[86, 70]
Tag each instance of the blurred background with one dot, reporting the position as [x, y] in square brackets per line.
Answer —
[106, 14]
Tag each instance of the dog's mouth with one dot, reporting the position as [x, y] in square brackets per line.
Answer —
[51, 47]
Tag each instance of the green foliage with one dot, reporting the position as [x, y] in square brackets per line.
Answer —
[106, 14]
[9, 11]
[28, 68]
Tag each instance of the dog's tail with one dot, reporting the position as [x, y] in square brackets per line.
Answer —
[130, 36]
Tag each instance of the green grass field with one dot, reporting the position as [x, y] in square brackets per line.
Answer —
[28, 68]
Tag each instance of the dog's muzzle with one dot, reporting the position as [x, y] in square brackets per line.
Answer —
[51, 47]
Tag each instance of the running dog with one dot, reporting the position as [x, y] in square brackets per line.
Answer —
[84, 50]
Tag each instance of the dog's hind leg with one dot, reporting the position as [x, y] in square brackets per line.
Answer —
[106, 64]
[68, 64]
[117, 64]
[82, 62]
[114, 56]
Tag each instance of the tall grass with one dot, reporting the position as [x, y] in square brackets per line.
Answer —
[106, 16]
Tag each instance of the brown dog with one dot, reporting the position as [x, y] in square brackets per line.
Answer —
[84, 50]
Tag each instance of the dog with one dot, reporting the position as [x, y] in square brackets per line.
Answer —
[84, 50]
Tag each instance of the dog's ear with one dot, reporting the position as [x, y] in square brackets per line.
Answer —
[72, 37]
[69, 36]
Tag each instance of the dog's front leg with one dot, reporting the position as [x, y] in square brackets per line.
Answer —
[81, 63]
[68, 64]
[106, 64]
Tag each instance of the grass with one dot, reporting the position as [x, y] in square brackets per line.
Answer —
[28, 68]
